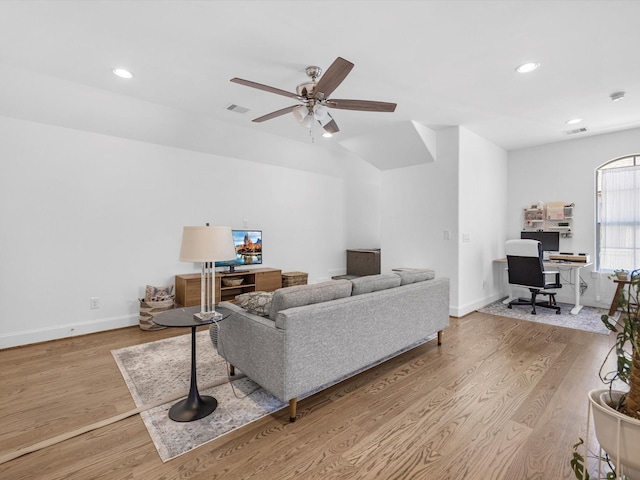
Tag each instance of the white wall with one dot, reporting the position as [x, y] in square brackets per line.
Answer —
[566, 172]
[362, 207]
[462, 196]
[91, 215]
[419, 203]
[482, 219]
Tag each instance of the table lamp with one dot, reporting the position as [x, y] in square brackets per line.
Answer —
[207, 245]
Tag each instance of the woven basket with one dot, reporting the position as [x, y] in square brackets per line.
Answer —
[149, 309]
[289, 279]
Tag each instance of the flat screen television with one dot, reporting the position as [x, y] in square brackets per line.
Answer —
[248, 244]
[550, 240]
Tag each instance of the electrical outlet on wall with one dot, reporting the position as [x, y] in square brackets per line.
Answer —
[94, 303]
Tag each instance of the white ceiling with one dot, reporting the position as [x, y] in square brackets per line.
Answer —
[443, 62]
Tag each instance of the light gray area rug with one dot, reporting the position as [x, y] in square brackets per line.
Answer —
[158, 370]
[587, 319]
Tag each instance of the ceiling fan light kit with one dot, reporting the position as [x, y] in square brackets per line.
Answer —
[320, 112]
[300, 113]
[314, 96]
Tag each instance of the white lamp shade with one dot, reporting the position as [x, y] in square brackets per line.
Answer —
[308, 122]
[321, 113]
[207, 244]
[299, 113]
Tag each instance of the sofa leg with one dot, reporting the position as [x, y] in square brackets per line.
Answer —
[439, 337]
[232, 370]
[293, 406]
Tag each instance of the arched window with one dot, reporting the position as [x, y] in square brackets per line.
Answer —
[618, 214]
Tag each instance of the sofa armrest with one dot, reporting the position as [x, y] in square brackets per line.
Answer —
[254, 345]
[237, 310]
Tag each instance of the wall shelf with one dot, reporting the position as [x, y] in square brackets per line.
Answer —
[540, 218]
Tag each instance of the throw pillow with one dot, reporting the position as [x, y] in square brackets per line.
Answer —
[258, 303]
[158, 294]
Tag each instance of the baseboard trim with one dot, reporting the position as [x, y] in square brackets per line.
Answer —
[67, 330]
[472, 307]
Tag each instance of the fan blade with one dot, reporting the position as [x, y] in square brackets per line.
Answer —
[266, 88]
[331, 127]
[275, 114]
[333, 77]
[365, 105]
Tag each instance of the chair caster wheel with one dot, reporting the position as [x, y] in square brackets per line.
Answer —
[509, 306]
[557, 312]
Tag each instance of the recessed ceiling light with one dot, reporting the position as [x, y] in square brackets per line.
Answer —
[616, 96]
[122, 73]
[573, 121]
[527, 67]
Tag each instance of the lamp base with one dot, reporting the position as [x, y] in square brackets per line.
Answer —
[206, 316]
[191, 409]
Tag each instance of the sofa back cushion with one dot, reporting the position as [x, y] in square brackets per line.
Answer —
[373, 283]
[300, 295]
[412, 275]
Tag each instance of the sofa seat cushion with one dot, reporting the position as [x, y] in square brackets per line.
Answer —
[300, 295]
[412, 275]
[373, 283]
[258, 303]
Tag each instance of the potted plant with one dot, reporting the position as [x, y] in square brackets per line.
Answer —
[616, 413]
[620, 274]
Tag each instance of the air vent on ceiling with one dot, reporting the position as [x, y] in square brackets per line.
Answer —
[577, 130]
[237, 108]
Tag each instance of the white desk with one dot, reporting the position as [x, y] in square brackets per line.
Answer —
[575, 273]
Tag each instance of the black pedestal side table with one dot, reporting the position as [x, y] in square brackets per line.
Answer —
[195, 406]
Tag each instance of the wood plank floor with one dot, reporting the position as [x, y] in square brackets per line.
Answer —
[500, 399]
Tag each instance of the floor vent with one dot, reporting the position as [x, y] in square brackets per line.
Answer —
[237, 108]
[577, 130]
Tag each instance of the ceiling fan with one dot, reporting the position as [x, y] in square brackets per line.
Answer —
[314, 95]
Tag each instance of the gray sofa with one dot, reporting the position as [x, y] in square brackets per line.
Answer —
[317, 335]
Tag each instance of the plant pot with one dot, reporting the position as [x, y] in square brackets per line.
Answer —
[617, 434]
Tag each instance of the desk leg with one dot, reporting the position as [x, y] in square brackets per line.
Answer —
[576, 286]
[194, 407]
[511, 296]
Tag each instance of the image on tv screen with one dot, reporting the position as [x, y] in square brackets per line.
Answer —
[248, 245]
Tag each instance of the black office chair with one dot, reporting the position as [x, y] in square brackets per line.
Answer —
[525, 269]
